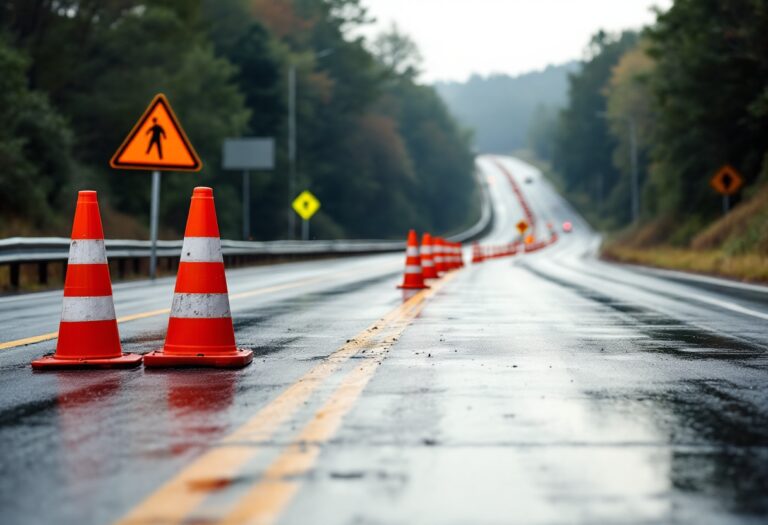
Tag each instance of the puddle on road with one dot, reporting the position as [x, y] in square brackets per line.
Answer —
[716, 437]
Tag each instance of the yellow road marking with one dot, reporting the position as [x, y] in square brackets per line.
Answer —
[164, 311]
[266, 500]
[173, 502]
[29, 340]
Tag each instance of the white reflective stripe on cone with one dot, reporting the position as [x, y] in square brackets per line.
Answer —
[201, 249]
[412, 251]
[87, 251]
[200, 305]
[412, 269]
[438, 258]
[427, 262]
[80, 309]
[426, 250]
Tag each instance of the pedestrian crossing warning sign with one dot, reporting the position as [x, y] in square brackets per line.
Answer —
[157, 142]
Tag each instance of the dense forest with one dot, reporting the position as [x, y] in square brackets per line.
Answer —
[503, 109]
[379, 149]
[690, 93]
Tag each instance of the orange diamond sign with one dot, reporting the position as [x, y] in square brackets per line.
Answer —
[522, 227]
[157, 142]
[727, 181]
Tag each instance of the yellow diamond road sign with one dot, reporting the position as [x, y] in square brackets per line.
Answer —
[306, 205]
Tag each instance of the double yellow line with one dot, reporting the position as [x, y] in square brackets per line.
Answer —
[263, 503]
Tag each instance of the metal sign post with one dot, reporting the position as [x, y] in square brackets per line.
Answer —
[305, 206]
[154, 219]
[727, 181]
[248, 154]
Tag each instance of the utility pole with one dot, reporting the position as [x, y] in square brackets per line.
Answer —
[635, 192]
[291, 148]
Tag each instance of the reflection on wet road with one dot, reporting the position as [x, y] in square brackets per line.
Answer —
[545, 388]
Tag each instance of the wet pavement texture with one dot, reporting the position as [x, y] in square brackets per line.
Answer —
[547, 388]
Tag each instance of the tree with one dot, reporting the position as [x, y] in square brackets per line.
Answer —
[712, 101]
[35, 144]
[584, 147]
[630, 111]
[398, 52]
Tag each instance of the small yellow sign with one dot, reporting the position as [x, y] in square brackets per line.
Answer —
[306, 205]
[522, 227]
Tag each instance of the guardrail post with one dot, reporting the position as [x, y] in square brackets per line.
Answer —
[42, 272]
[14, 271]
[121, 268]
[136, 265]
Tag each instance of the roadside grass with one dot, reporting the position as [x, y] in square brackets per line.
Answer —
[745, 267]
[734, 246]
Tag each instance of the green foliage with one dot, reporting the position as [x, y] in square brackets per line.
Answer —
[379, 150]
[584, 145]
[34, 146]
[710, 83]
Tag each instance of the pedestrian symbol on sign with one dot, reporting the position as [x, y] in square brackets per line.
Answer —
[158, 134]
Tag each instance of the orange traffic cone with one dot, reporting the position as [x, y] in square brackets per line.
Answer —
[413, 278]
[477, 254]
[460, 254]
[88, 336]
[455, 256]
[439, 255]
[427, 260]
[200, 331]
[450, 258]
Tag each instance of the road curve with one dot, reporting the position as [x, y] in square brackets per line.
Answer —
[546, 388]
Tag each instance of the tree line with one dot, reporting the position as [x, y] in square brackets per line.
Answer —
[689, 93]
[379, 149]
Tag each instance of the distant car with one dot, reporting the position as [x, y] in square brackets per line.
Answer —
[567, 227]
[528, 180]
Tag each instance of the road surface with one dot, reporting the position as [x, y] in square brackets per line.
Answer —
[545, 388]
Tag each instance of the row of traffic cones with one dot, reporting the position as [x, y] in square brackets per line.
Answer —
[200, 330]
[482, 253]
[431, 260]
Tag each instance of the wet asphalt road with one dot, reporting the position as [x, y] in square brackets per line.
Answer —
[546, 388]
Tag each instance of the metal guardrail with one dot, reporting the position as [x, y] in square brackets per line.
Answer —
[52, 249]
[43, 251]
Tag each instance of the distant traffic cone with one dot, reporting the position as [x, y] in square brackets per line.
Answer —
[450, 256]
[413, 278]
[477, 254]
[88, 336]
[460, 254]
[200, 331]
[454, 249]
[438, 255]
[427, 260]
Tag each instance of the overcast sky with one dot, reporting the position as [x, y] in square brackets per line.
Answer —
[461, 37]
